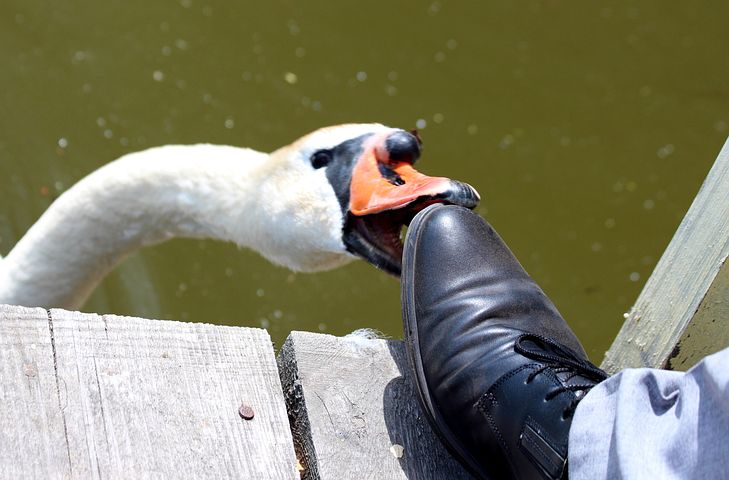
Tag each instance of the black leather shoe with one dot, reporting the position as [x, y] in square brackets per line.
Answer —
[498, 371]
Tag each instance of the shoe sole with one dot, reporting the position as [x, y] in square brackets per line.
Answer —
[412, 347]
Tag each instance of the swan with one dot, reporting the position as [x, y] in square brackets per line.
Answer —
[339, 193]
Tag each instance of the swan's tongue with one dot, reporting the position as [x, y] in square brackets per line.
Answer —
[384, 179]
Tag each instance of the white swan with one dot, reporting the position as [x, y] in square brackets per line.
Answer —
[334, 194]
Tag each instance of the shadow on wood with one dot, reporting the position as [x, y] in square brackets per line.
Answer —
[353, 406]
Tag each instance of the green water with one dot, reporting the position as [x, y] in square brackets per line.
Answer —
[586, 128]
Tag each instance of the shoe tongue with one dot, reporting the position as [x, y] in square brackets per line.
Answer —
[572, 378]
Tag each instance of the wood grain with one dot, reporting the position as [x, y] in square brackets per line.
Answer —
[117, 397]
[352, 404]
[32, 429]
[682, 314]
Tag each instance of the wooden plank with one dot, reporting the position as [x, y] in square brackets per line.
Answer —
[136, 398]
[682, 314]
[352, 403]
[32, 431]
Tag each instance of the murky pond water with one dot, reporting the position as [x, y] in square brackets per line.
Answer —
[587, 129]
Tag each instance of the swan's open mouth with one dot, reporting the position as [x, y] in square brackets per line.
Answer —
[386, 192]
[377, 237]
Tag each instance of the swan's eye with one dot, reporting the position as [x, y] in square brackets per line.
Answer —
[321, 158]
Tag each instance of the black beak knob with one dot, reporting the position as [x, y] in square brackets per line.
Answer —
[403, 147]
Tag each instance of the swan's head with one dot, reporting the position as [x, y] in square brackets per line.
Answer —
[347, 191]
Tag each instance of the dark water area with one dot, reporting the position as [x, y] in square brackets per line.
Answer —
[586, 128]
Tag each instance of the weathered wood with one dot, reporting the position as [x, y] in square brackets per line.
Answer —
[32, 430]
[352, 404]
[682, 314]
[88, 396]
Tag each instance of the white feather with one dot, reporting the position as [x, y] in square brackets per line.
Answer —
[275, 204]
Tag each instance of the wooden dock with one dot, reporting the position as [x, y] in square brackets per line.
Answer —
[91, 396]
[87, 396]
[354, 411]
[682, 313]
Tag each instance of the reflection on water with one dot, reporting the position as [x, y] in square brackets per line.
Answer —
[586, 128]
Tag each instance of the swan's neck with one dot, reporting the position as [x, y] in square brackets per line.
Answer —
[140, 199]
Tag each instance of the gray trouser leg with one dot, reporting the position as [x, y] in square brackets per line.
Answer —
[647, 423]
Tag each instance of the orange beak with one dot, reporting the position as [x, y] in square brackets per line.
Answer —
[380, 183]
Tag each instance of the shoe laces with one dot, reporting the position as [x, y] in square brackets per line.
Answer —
[560, 359]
